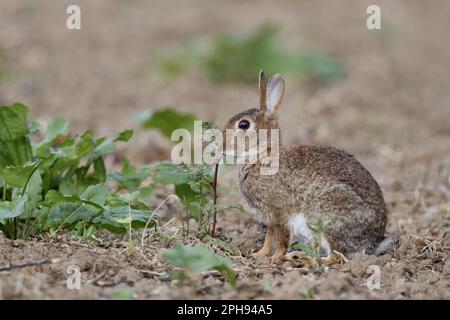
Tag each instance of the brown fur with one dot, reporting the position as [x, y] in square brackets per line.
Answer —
[319, 182]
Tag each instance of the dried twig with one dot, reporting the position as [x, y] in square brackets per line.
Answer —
[97, 278]
[18, 265]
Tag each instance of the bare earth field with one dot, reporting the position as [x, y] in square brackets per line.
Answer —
[392, 111]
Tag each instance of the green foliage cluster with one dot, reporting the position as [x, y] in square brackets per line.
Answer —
[231, 58]
[198, 259]
[60, 182]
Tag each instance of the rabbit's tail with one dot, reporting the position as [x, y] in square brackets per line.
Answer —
[385, 245]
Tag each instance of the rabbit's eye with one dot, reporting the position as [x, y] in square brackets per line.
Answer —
[244, 124]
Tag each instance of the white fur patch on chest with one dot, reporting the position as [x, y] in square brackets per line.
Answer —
[299, 229]
[300, 232]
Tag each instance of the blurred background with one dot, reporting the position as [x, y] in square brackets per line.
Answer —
[381, 94]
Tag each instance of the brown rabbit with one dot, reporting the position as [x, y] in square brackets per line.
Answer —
[311, 182]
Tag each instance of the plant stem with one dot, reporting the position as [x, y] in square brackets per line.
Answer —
[15, 230]
[154, 212]
[216, 173]
[318, 245]
[4, 191]
[200, 218]
[130, 235]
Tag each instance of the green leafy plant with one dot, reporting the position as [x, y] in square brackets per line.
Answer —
[198, 259]
[132, 178]
[195, 185]
[60, 182]
[232, 58]
[124, 292]
[166, 120]
[306, 292]
[318, 227]
[16, 147]
[306, 249]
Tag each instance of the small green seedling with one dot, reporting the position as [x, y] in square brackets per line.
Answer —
[305, 292]
[318, 227]
[314, 250]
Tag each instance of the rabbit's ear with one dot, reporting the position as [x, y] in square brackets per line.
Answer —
[275, 93]
[262, 90]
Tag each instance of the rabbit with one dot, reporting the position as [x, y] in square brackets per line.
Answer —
[311, 182]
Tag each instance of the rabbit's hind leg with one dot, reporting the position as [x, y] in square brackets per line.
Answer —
[282, 235]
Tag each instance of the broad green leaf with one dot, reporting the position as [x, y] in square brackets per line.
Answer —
[83, 213]
[99, 173]
[66, 210]
[137, 215]
[12, 209]
[108, 146]
[18, 206]
[189, 197]
[115, 218]
[167, 120]
[171, 175]
[56, 128]
[15, 145]
[198, 259]
[53, 197]
[85, 145]
[125, 136]
[15, 152]
[34, 188]
[60, 211]
[146, 192]
[68, 186]
[72, 150]
[66, 213]
[130, 197]
[123, 293]
[96, 193]
[5, 211]
[307, 250]
[17, 176]
[13, 122]
[130, 177]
